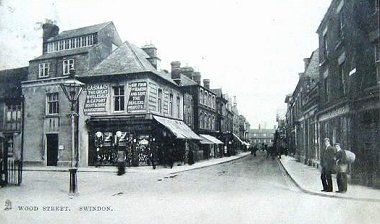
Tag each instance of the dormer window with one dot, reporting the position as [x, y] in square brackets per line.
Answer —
[72, 43]
[43, 70]
[67, 64]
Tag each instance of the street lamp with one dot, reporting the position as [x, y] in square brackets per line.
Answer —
[72, 89]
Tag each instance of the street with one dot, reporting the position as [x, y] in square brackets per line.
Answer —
[247, 190]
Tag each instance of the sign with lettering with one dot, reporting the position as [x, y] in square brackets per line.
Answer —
[136, 101]
[334, 113]
[96, 99]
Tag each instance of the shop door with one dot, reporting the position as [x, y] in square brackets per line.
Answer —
[52, 149]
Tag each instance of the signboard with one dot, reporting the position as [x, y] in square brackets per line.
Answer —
[96, 99]
[136, 101]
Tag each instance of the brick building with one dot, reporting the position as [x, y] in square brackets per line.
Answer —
[124, 92]
[349, 91]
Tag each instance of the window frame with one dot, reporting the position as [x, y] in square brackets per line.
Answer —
[118, 94]
[52, 103]
[42, 67]
[64, 67]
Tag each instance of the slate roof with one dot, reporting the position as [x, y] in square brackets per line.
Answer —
[127, 59]
[186, 81]
[10, 81]
[63, 53]
[79, 32]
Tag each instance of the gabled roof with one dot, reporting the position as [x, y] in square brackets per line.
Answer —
[80, 31]
[127, 59]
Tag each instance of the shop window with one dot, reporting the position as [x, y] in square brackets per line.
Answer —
[13, 117]
[118, 98]
[52, 103]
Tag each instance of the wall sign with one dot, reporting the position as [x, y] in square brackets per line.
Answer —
[96, 99]
[137, 96]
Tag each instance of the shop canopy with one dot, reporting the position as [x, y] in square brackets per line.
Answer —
[178, 128]
[208, 139]
[237, 137]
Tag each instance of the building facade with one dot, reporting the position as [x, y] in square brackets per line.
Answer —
[349, 90]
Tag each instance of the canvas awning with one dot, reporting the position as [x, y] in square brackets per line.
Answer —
[178, 128]
[211, 139]
[237, 137]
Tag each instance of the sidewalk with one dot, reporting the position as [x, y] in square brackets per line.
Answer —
[307, 178]
[144, 169]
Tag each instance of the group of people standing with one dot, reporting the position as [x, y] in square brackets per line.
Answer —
[334, 160]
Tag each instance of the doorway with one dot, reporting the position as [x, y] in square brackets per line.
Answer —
[52, 149]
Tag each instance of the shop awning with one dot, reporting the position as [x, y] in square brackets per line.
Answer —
[211, 139]
[237, 137]
[178, 128]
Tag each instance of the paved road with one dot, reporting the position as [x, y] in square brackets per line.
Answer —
[249, 190]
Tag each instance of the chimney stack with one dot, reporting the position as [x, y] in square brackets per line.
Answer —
[206, 83]
[197, 77]
[49, 30]
[175, 69]
[188, 72]
[306, 62]
[151, 51]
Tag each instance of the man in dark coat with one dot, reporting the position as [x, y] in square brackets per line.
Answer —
[341, 161]
[327, 164]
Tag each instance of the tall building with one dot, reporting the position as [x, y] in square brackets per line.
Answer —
[349, 91]
[124, 93]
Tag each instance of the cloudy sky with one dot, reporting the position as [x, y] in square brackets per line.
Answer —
[251, 49]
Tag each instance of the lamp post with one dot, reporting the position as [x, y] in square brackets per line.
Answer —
[72, 89]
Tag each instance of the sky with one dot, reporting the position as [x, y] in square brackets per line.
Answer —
[251, 49]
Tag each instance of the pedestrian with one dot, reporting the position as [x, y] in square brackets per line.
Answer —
[190, 157]
[120, 162]
[342, 165]
[327, 165]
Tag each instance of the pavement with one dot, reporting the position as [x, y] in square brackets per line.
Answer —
[177, 168]
[307, 179]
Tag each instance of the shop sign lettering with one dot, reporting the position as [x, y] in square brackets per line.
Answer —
[136, 101]
[96, 99]
[334, 113]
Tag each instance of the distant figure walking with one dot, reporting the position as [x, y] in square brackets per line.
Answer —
[341, 162]
[327, 164]
[190, 157]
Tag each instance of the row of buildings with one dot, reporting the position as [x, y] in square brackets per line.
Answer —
[337, 95]
[125, 92]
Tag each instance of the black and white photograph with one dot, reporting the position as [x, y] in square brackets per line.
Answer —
[190, 111]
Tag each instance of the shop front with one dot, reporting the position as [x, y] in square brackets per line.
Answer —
[144, 138]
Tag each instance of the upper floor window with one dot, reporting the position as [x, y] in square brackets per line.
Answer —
[201, 96]
[52, 103]
[159, 101]
[43, 70]
[325, 47]
[178, 107]
[72, 43]
[342, 78]
[118, 98]
[171, 104]
[341, 23]
[67, 65]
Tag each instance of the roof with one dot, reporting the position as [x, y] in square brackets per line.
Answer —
[63, 53]
[80, 31]
[124, 60]
[127, 59]
[186, 81]
[10, 81]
